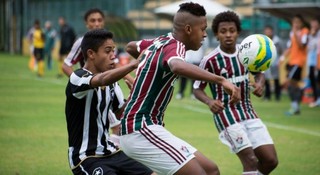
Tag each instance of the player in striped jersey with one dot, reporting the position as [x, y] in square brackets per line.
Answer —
[238, 124]
[144, 137]
[91, 93]
[94, 19]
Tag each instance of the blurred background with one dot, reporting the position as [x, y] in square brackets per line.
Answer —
[133, 19]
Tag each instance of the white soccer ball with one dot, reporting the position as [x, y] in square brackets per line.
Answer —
[257, 52]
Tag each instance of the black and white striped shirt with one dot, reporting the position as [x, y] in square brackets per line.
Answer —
[87, 116]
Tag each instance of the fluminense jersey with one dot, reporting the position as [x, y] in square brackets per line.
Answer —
[228, 66]
[87, 117]
[75, 54]
[153, 87]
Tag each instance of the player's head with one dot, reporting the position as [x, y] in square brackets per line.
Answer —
[37, 24]
[189, 25]
[61, 21]
[268, 30]
[94, 19]
[98, 48]
[226, 27]
[298, 22]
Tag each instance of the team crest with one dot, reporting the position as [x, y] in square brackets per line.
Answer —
[97, 171]
[239, 140]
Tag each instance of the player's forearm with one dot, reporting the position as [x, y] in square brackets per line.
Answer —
[191, 71]
[111, 76]
[260, 78]
[201, 95]
[67, 69]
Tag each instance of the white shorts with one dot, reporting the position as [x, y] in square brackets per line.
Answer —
[113, 121]
[250, 133]
[158, 149]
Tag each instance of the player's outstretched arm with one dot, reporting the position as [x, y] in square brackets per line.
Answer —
[111, 76]
[182, 68]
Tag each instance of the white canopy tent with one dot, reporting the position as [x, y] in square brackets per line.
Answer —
[212, 8]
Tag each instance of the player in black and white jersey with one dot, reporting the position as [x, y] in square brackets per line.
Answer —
[94, 19]
[91, 93]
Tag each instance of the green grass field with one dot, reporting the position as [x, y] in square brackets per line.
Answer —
[33, 135]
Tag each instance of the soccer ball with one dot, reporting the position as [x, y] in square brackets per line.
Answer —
[257, 52]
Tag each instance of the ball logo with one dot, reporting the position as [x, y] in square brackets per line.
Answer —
[246, 60]
[245, 46]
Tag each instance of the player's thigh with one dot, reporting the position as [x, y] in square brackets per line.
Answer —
[266, 153]
[127, 165]
[235, 137]
[191, 168]
[208, 165]
[258, 133]
[94, 165]
[158, 149]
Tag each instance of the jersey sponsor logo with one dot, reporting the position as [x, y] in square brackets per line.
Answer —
[97, 171]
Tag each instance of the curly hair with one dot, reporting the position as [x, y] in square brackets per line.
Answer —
[193, 8]
[228, 16]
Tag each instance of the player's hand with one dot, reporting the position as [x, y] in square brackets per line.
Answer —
[232, 90]
[257, 89]
[215, 106]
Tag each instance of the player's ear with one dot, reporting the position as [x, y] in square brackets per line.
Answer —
[188, 29]
[90, 53]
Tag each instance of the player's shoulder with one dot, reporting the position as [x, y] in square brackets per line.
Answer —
[212, 55]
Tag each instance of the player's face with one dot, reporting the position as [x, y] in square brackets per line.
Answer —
[197, 34]
[227, 35]
[104, 58]
[95, 21]
[268, 32]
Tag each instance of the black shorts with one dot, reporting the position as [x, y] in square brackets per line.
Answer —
[117, 164]
[294, 72]
[38, 54]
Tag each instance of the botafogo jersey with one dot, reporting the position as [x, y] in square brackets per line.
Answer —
[153, 87]
[87, 116]
[228, 66]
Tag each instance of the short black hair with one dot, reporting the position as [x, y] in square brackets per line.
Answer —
[227, 16]
[93, 40]
[193, 8]
[91, 11]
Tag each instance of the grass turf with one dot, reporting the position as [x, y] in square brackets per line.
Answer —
[33, 134]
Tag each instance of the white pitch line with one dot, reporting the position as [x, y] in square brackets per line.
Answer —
[269, 124]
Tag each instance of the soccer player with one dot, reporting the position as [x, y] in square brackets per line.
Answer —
[68, 36]
[297, 53]
[38, 39]
[144, 137]
[238, 124]
[94, 19]
[90, 93]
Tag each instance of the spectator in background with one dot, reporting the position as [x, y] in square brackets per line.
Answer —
[297, 55]
[193, 57]
[50, 34]
[67, 38]
[273, 72]
[38, 38]
[313, 46]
